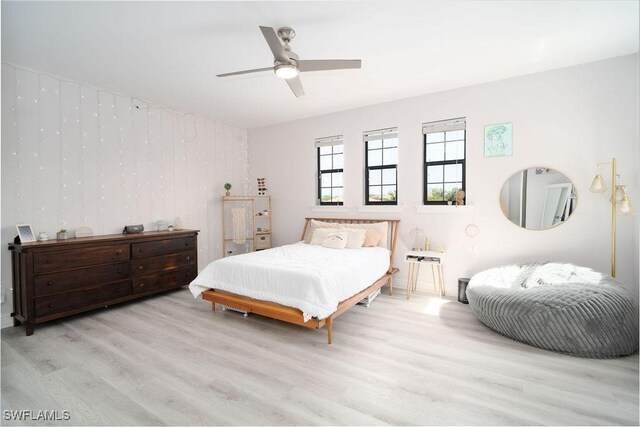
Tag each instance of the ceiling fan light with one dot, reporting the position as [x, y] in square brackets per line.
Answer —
[286, 71]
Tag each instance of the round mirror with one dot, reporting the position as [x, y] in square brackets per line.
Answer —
[538, 198]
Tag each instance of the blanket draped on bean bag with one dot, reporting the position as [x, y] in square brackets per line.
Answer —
[558, 306]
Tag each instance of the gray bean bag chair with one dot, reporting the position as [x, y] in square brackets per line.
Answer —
[559, 307]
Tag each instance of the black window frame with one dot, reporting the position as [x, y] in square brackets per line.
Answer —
[333, 170]
[426, 163]
[392, 133]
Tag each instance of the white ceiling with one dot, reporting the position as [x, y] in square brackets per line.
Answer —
[169, 52]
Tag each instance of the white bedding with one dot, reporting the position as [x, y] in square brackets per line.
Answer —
[311, 278]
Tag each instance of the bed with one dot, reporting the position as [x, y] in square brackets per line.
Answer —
[303, 284]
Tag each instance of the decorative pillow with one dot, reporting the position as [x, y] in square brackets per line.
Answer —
[355, 237]
[372, 239]
[319, 234]
[380, 227]
[314, 225]
[335, 240]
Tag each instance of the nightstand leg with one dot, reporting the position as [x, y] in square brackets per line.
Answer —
[436, 287]
[409, 280]
[441, 270]
[391, 285]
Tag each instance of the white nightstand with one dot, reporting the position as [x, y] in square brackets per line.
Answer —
[435, 259]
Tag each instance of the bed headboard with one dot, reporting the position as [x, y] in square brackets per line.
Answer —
[392, 231]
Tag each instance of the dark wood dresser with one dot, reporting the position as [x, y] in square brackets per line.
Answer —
[59, 278]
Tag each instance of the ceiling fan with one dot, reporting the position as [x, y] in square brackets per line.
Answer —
[286, 64]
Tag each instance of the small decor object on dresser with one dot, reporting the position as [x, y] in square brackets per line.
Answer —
[84, 231]
[42, 236]
[62, 234]
[25, 233]
[177, 224]
[132, 229]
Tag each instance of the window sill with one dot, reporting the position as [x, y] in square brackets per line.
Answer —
[328, 208]
[381, 208]
[444, 209]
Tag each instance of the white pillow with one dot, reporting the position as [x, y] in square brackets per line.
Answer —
[335, 240]
[355, 237]
[319, 234]
[380, 227]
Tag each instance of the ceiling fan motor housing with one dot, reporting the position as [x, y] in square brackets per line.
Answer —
[286, 34]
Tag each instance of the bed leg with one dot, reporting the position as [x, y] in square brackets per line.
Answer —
[213, 306]
[329, 330]
[391, 285]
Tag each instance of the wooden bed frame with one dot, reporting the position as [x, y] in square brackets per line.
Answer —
[294, 315]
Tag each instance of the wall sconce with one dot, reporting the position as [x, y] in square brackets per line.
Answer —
[620, 204]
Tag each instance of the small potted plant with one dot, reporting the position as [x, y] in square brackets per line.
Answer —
[227, 187]
[62, 234]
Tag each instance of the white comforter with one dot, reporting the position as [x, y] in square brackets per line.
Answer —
[311, 278]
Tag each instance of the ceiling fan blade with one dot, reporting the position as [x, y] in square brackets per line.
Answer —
[236, 73]
[296, 86]
[274, 44]
[328, 64]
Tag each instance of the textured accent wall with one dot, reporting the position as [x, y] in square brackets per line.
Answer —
[73, 155]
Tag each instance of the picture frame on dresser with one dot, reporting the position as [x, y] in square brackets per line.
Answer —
[25, 233]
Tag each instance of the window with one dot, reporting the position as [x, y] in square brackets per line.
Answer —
[381, 167]
[330, 170]
[444, 160]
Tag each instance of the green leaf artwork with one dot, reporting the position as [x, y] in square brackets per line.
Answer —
[498, 140]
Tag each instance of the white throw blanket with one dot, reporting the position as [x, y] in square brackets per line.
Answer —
[311, 278]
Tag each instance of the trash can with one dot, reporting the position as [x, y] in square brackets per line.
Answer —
[462, 290]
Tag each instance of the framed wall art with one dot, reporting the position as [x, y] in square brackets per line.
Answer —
[498, 140]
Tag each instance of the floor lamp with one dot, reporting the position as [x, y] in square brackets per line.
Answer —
[619, 203]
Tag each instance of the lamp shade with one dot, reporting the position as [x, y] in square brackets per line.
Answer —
[597, 186]
[624, 205]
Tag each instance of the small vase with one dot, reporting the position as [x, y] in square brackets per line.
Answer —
[228, 193]
[62, 235]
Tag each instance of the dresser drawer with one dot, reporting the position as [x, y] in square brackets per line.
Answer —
[162, 247]
[69, 280]
[68, 301]
[144, 266]
[47, 262]
[164, 280]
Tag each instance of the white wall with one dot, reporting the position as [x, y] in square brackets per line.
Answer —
[567, 119]
[73, 156]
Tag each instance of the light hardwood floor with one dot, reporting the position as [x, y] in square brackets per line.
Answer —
[170, 360]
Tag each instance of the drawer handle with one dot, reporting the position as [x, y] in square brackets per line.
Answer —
[119, 252]
[49, 283]
[141, 285]
[119, 271]
[140, 250]
[140, 267]
[186, 243]
[188, 258]
[187, 274]
[50, 306]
